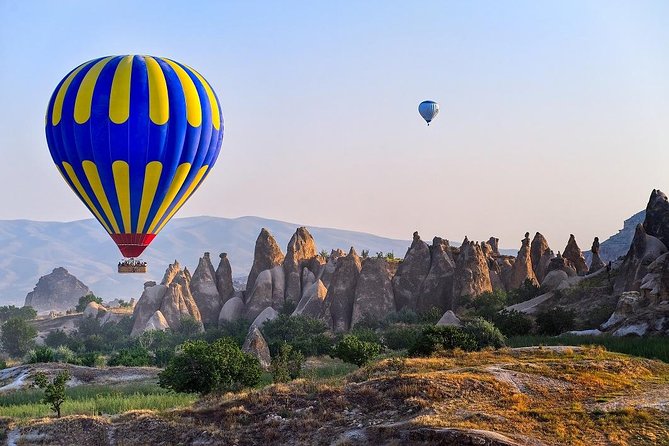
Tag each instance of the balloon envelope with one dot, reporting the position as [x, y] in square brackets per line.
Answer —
[134, 137]
[428, 110]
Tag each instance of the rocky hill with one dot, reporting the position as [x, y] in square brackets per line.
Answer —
[57, 291]
[617, 245]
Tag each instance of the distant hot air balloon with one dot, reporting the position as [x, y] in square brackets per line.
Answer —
[134, 137]
[428, 110]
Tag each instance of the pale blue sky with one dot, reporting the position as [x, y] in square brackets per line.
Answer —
[554, 115]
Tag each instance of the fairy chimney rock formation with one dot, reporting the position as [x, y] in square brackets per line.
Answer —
[301, 250]
[204, 289]
[267, 255]
[573, 253]
[341, 293]
[471, 276]
[411, 273]
[596, 262]
[224, 278]
[538, 249]
[522, 267]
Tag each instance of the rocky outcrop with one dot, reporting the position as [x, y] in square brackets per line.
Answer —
[233, 309]
[449, 319]
[93, 310]
[656, 222]
[522, 268]
[268, 314]
[313, 300]
[266, 256]
[538, 250]
[575, 256]
[156, 322]
[326, 272]
[224, 278]
[553, 279]
[642, 252]
[203, 287]
[58, 291]
[411, 273]
[301, 250]
[544, 263]
[341, 294]
[471, 276]
[494, 245]
[374, 298]
[173, 298]
[559, 263]
[256, 346]
[596, 262]
[267, 292]
[436, 290]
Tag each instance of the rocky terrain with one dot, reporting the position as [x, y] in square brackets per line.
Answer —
[57, 291]
[529, 396]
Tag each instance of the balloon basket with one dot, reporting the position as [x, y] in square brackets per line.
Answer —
[130, 266]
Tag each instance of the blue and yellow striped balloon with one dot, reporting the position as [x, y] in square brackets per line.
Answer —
[134, 137]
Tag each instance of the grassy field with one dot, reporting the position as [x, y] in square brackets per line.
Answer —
[94, 400]
[650, 347]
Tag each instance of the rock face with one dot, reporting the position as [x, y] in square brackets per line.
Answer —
[313, 300]
[267, 292]
[268, 314]
[172, 297]
[642, 252]
[657, 216]
[436, 291]
[574, 254]
[301, 249]
[411, 273]
[596, 262]
[341, 294]
[553, 279]
[255, 345]
[267, 255]
[559, 263]
[224, 278]
[522, 268]
[93, 309]
[57, 291]
[203, 287]
[232, 310]
[157, 322]
[449, 318]
[538, 249]
[374, 292]
[471, 276]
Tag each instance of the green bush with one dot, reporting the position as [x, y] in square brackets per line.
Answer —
[54, 391]
[555, 321]
[354, 351]
[56, 338]
[404, 316]
[203, 368]
[64, 354]
[3, 364]
[513, 323]
[486, 305]
[41, 354]
[85, 300]
[366, 335]
[400, 337]
[131, 357]
[434, 338]
[484, 333]
[287, 364]
[89, 359]
[9, 311]
[236, 330]
[17, 337]
[303, 333]
[528, 290]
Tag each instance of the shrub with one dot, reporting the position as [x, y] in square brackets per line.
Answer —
[189, 327]
[486, 305]
[354, 351]
[434, 338]
[64, 354]
[484, 333]
[17, 337]
[85, 300]
[56, 338]
[90, 359]
[203, 368]
[555, 321]
[528, 290]
[398, 337]
[131, 357]
[366, 335]
[513, 323]
[41, 354]
[54, 391]
[3, 364]
[404, 316]
[287, 364]
[301, 332]
[9, 311]
[236, 330]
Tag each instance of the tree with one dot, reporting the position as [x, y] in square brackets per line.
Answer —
[10, 311]
[131, 357]
[434, 338]
[354, 351]
[484, 333]
[54, 391]
[303, 333]
[555, 321]
[17, 336]
[85, 300]
[203, 368]
[287, 364]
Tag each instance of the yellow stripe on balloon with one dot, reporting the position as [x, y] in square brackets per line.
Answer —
[121, 172]
[193, 106]
[82, 105]
[57, 111]
[151, 180]
[119, 98]
[215, 112]
[177, 182]
[197, 180]
[83, 195]
[159, 101]
[91, 171]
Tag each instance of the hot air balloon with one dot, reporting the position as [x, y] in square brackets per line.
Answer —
[134, 137]
[428, 110]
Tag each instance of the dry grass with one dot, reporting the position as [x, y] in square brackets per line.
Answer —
[567, 396]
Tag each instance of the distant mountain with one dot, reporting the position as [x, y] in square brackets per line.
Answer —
[30, 249]
[618, 244]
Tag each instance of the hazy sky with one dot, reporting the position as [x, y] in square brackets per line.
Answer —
[554, 115]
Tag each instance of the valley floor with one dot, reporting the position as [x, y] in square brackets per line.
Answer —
[523, 396]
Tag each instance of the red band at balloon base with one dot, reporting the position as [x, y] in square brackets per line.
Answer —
[132, 245]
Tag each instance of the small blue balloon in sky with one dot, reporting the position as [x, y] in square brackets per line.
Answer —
[428, 110]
